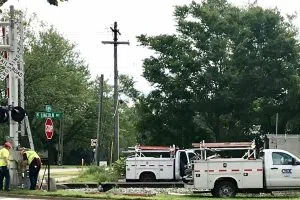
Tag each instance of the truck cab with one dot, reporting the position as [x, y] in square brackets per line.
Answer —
[273, 169]
[282, 169]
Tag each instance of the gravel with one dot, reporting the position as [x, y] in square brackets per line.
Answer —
[176, 191]
[146, 191]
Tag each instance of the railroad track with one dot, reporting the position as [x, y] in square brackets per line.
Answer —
[105, 186]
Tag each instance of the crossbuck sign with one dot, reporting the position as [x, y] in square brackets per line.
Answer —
[11, 64]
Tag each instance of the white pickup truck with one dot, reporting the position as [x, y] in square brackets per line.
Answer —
[224, 177]
[168, 165]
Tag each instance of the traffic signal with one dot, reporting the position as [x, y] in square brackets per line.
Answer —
[17, 113]
[3, 115]
[53, 2]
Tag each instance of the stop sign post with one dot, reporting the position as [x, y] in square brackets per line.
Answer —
[49, 134]
[49, 128]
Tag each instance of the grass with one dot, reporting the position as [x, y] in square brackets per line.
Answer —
[96, 174]
[65, 166]
[73, 194]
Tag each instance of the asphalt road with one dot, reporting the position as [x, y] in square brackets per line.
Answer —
[60, 174]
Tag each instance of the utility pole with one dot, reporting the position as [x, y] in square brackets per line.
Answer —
[116, 31]
[100, 118]
[13, 94]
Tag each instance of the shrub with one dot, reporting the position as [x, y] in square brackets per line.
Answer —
[103, 174]
[98, 174]
[119, 166]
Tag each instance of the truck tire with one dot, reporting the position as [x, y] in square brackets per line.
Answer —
[214, 193]
[225, 189]
[147, 177]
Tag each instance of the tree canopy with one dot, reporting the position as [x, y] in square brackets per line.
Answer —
[225, 70]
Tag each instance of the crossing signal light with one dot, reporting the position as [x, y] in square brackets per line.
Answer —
[53, 2]
[17, 113]
[3, 115]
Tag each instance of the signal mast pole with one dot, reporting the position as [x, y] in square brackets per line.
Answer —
[115, 42]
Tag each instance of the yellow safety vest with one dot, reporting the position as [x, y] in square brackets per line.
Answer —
[31, 155]
[4, 153]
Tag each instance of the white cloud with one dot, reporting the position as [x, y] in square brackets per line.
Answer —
[88, 22]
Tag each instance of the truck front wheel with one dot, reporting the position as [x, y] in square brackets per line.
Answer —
[225, 189]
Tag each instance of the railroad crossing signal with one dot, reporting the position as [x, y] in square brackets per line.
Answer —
[17, 114]
[11, 65]
[49, 128]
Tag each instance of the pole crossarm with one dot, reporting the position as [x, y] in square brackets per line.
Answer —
[112, 42]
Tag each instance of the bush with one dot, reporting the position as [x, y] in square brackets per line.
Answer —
[97, 174]
[103, 174]
[120, 167]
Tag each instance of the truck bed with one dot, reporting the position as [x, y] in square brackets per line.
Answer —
[162, 168]
[246, 173]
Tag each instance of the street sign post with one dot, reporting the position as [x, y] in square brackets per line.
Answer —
[49, 128]
[48, 108]
[49, 134]
[48, 113]
[53, 115]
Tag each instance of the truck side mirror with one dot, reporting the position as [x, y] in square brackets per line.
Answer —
[295, 162]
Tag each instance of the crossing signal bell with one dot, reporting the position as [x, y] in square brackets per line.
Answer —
[17, 114]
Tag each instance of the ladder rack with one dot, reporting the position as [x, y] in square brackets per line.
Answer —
[226, 146]
[139, 149]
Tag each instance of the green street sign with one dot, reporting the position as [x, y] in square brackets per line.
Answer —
[48, 108]
[53, 115]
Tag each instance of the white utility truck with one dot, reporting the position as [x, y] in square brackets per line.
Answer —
[274, 170]
[157, 163]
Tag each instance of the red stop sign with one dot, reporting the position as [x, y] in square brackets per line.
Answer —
[49, 128]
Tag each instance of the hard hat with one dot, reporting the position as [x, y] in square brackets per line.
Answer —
[8, 145]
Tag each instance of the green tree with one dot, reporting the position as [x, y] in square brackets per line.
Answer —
[226, 69]
[55, 75]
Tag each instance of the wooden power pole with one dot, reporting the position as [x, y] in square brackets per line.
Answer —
[115, 42]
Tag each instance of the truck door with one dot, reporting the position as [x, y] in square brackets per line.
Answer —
[183, 163]
[296, 172]
[281, 170]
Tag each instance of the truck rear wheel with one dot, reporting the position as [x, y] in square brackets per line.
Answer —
[225, 189]
[147, 177]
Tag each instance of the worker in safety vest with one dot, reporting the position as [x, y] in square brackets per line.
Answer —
[32, 159]
[4, 171]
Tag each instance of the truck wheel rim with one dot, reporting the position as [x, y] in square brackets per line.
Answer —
[226, 191]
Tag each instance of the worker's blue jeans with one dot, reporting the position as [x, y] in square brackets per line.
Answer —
[4, 173]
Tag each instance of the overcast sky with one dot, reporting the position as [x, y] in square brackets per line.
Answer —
[87, 23]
